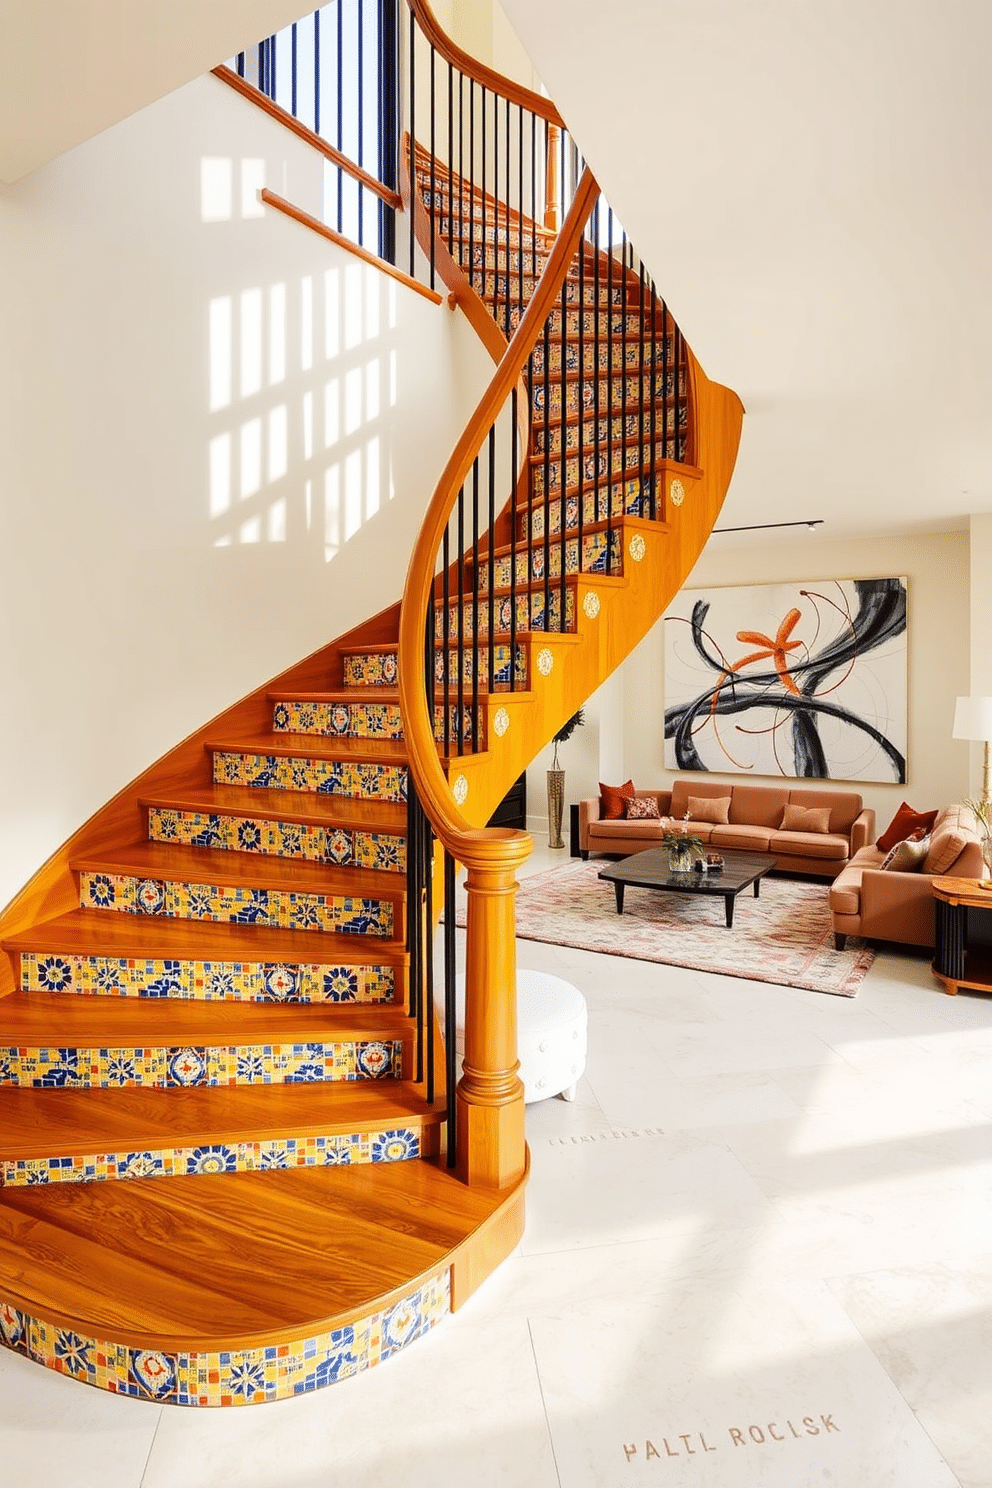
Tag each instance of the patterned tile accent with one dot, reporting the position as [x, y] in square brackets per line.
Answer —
[633, 498]
[459, 724]
[399, 1144]
[339, 720]
[236, 1377]
[594, 548]
[610, 355]
[312, 844]
[358, 781]
[246, 1064]
[597, 465]
[206, 981]
[371, 669]
[501, 675]
[611, 393]
[277, 908]
[535, 620]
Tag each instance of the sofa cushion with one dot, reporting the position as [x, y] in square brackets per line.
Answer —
[748, 839]
[612, 798]
[757, 805]
[824, 845]
[641, 808]
[845, 806]
[805, 818]
[906, 821]
[701, 789]
[845, 891]
[907, 856]
[947, 843]
[714, 809]
[647, 833]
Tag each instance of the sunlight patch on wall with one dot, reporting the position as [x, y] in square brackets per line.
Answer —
[301, 374]
[216, 189]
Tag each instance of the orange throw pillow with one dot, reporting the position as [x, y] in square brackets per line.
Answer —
[905, 822]
[613, 799]
[714, 810]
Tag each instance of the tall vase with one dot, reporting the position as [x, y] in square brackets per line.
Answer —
[556, 805]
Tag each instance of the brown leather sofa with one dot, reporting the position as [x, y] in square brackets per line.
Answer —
[879, 905]
[754, 823]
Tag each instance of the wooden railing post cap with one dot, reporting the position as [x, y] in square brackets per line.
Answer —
[495, 849]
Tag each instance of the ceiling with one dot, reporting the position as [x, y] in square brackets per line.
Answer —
[810, 184]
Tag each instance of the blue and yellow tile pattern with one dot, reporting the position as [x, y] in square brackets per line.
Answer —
[358, 780]
[311, 844]
[206, 981]
[358, 720]
[281, 909]
[246, 1064]
[371, 668]
[234, 1377]
[397, 1144]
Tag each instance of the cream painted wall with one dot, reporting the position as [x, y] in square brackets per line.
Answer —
[937, 568]
[218, 434]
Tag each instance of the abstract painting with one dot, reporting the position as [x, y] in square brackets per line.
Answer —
[806, 681]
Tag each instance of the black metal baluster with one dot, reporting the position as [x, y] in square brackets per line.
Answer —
[445, 641]
[450, 1007]
[293, 63]
[459, 729]
[316, 72]
[413, 131]
[492, 563]
[339, 109]
[596, 349]
[677, 354]
[451, 158]
[610, 391]
[361, 117]
[496, 315]
[483, 230]
[623, 390]
[563, 440]
[653, 433]
[669, 371]
[580, 404]
[520, 225]
[433, 176]
[476, 649]
[513, 539]
[412, 893]
[546, 501]
[648, 487]
[428, 1000]
[388, 77]
[241, 64]
[461, 172]
[509, 317]
[471, 188]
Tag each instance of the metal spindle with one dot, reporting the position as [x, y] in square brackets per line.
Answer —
[413, 131]
[654, 382]
[485, 208]
[597, 268]
[316, 72]
[680, 452]
[623, 389]
[513, 540]
[492, 561]
[450, 1007]
[546, 504]
[580, 402]
[433, 107]
[428, 1001]
[609, 387]
[520, 226]
[471, 187]
[340, 110]
[476, 650]
[444, 640]
[459, 730]
[509, 317]
[563, 441]
[361, 119]
[293, 56]
[482, 224]
[451, 158]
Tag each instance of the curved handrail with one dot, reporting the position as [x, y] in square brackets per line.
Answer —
[451, 826]
[487, 76]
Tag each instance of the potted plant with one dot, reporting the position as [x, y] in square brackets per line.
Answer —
[556, 780]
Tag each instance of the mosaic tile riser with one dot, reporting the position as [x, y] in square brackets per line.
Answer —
[244, 1064]
[206, 981]
[339, 720]
[311, 844]
[365, 782]
[371, 669]
[236, 1377]
[332, 1150]
[275, 908]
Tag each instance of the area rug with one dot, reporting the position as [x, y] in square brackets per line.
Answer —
[784, 936]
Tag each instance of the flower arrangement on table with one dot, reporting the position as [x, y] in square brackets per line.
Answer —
[679, 842]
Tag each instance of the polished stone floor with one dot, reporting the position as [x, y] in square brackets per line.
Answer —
[757, 1253]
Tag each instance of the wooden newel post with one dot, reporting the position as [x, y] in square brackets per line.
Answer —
[490, 1096]
[551, 182]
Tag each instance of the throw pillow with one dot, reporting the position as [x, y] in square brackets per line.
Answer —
[712, 809]
[642, 808]
[946, 846]
[907, 856]
[805, 819]
[612, 799]
[905, 822]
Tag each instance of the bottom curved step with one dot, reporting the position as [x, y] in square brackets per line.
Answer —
[243, 1288]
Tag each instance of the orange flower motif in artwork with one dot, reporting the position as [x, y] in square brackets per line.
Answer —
[773, 650]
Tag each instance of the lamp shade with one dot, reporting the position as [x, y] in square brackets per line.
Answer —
[973, 718]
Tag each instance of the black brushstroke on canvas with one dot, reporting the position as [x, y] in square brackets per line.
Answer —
[880, 616]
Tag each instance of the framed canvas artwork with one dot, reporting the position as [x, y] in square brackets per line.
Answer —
[806, 681]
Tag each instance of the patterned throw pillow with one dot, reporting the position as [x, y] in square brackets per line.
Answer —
[641, 808]
[908, 856]
[613, 798]
[805, 819]
[712, 809]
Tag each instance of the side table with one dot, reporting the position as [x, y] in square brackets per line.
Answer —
[954, 963]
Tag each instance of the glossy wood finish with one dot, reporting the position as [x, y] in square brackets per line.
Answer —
[494, 81]
[305, 219]
[316, 141]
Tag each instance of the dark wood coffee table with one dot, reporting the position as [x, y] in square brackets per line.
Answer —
[650, 870]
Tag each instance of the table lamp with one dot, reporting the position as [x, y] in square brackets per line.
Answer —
[973, 720]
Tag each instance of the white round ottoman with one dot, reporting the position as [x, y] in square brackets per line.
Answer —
[552, 1023]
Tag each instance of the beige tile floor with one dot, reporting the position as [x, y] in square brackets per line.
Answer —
[757, 1253]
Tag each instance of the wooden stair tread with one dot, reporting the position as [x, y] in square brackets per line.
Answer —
[91, 1021]
[355, 694]
[305, 807]
[172, 861]
[94, 932]
[72, 1122]
[316, 746]
[230, 1261]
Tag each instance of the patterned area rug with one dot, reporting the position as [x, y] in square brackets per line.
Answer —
[783, 936]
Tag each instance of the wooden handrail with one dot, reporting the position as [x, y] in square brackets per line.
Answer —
[450, 825]
[297, 213]
[478, 71]
[290, 122]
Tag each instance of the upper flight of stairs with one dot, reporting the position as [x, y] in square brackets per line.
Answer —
[221, 1178]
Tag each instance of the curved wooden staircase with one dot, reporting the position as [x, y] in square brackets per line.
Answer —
[222, 1150]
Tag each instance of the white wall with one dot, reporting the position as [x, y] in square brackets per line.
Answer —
[184, 512]
[937, 568]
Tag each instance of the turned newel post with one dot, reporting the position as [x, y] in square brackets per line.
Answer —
[490, 1096]
[551, 182]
